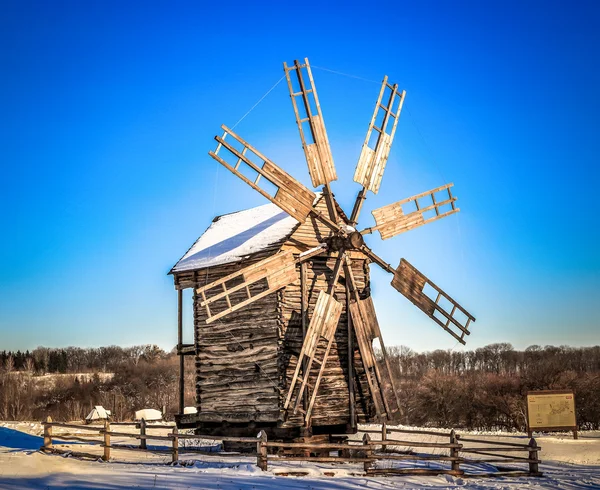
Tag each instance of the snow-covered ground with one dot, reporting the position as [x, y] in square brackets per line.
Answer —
[567, 464]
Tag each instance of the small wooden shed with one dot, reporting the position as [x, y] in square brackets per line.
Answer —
[245, 361]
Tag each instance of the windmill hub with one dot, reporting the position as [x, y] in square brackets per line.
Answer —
[355, 240]
[342, 241]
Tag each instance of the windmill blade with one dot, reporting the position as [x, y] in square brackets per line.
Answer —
[391, 220]
[366, 327]
[323, 323]
[412, 284]
[290, 195]
[275, 272]
[311, 125]
[376, 148]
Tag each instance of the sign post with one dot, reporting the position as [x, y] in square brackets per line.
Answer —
[551, 410]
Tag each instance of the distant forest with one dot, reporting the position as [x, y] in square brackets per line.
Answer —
[477, 389]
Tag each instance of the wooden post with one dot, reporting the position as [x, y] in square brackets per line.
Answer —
[454, 452]
[261, 451]
[106, 456]
[179, 346]
[143, 444]
[175, 445]
[368, 452]
[533, 456]
[48, 433]
[304, 310]
[575, 436]
[351, 400]
[383, 435]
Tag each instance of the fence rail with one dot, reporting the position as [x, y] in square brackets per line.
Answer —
[363, 451]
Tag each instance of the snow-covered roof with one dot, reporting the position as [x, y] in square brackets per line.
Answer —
[148, 414]
[233, 237]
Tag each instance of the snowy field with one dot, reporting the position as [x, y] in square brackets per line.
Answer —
[567, 464]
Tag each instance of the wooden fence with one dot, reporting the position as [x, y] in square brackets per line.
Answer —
[367, 451]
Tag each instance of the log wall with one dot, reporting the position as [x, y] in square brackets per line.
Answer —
[237, 367]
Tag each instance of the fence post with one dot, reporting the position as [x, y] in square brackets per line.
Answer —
[106, 456]
[175, 445]
[454, 452]
[533, 456]
[261, 451]
[383, 435]
[143, 434]
[368, 452]
[48, 432]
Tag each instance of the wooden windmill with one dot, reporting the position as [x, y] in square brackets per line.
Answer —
[319, 275]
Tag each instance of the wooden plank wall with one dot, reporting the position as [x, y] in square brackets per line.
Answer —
[308, 234]
[331, 406]
[237, 367]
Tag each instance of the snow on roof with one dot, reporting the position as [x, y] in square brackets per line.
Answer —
[233, 237]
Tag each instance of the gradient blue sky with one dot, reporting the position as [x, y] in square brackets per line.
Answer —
[108, 112]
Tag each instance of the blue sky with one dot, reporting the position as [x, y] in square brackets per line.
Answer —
[109, 110]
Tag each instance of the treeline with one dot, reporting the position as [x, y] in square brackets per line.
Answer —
[485, 388]
[78, 360]
[54, 382]
[480, 389]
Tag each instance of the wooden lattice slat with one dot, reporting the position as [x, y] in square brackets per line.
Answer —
[366, 327]
[323, 323]
[279, 270]
[291, 196]
[372, 160]
[411, 283]
[315, 143]
[391, 219]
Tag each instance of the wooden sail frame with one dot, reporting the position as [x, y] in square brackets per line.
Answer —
[372, 160]
[291, 196]
[323, 324]
[411, 283]
[318, 152]
[391, 220]
[279, 270]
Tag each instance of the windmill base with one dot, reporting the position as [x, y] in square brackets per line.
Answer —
[273, 430]
[249, 448]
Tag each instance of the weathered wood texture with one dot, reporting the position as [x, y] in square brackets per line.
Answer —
[236, 365]
[275, 271]
[323, 324]
[311, 232]
[331, 404]
[246, 359]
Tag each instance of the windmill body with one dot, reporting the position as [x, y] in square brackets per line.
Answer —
[284, 323]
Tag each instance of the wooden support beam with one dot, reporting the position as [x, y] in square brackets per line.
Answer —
[304, 310]
[350, 334]
[179, 348]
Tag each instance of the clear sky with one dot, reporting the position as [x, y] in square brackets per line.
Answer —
[108, 110]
